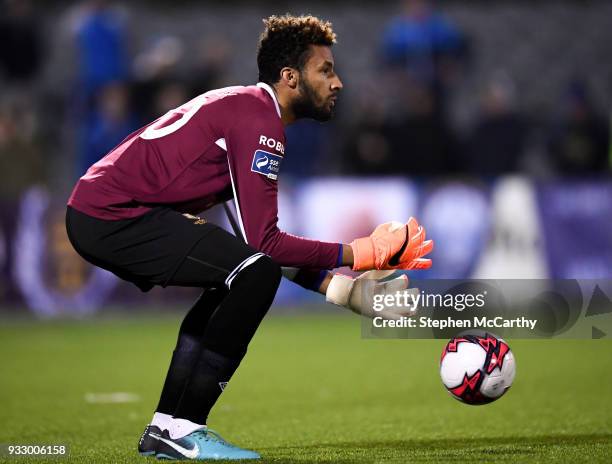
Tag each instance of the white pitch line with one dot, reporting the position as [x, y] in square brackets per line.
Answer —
[112, 398]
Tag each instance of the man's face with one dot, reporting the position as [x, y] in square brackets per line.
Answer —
[319, 86]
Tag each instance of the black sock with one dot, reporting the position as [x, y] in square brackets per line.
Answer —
[208, 380]
[179, 371]
[227, 335]
[188, 348]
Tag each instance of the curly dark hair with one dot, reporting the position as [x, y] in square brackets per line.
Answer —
[285, 42]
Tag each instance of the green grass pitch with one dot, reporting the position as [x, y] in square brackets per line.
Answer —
[309, 390]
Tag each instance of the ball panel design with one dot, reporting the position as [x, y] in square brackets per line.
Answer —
[468, 359]
[477, 368]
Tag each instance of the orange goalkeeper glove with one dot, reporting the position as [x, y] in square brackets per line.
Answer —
[392, 245]
[411, 255]
[375, 251]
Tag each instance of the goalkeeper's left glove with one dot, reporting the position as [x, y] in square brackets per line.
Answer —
[358, 294]
[393, 245]
[411, 256]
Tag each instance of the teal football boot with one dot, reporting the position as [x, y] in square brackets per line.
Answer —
[148, 441]
[199, 445]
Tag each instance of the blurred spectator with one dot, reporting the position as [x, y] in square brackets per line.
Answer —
[66, 271]
[161, 86]
[421, 141]
[21, 166]
[112, 121]
[101, 42]
[497, 141]
[156, 87]
[578, 142]
[159, 60]
[423, 51]
[412, 139]
[99, 109]
[212, 65]
[21, 49]
[425, 46]
[170, 95]
[21, 161]
[367, 150]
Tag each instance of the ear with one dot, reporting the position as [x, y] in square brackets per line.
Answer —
[290, 77]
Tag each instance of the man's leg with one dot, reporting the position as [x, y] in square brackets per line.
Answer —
[147, 251]
[229, 330]
[187, 350]
[185, 355]
[250, 281]
[228, 333]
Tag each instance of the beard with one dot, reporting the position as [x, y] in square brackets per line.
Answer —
[305, 106]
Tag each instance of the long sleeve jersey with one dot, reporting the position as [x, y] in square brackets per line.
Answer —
[224, 143]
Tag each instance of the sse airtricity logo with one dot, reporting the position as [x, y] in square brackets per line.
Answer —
[261, 162]
[266, 164]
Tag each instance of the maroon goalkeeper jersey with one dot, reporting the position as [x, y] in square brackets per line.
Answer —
[223, 143]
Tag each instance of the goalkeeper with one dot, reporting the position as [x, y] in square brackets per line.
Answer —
[132, 214]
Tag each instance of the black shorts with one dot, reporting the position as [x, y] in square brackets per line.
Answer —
[162, 247]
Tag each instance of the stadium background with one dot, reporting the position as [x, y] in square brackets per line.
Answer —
[489, 121]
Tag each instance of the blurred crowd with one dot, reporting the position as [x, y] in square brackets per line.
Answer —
[398, 124]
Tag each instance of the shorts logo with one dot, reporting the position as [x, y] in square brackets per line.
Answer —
[266, 164]
[196, 219]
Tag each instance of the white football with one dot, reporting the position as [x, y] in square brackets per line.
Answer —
[477, 367]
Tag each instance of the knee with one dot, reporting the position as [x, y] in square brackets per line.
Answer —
[263, 274]
[271, 270]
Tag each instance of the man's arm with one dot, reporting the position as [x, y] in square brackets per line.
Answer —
[315, 280]
[318, 280]
[254, 168]
[254, 165]
[357, 294]
[325, 283]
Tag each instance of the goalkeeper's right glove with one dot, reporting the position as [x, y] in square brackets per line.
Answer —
[359, 294]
